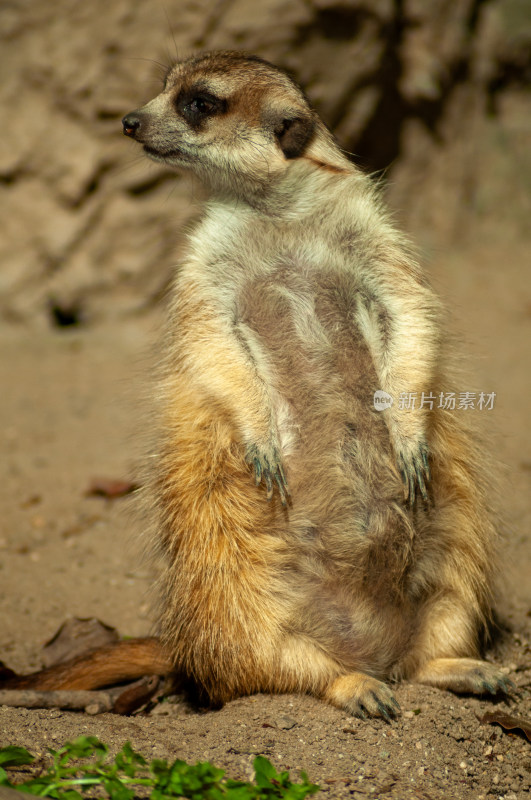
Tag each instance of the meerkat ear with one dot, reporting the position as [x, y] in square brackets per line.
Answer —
[293, 134]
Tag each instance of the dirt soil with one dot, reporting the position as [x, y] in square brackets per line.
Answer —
[72, 409]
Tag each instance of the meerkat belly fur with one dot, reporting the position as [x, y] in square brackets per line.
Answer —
[311, 542]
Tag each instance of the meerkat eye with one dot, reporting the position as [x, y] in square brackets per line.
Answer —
[199, 105]
[196, 108]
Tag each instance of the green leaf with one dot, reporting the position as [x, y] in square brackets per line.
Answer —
[116, 789]
[129, 761]
[11, 756]
[85, 747]
[264, 771]
[237, 790]
[38, 786]
[123, 777]
[71, 794]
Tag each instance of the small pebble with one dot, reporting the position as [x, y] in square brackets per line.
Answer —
[285, 723]
[93, 709]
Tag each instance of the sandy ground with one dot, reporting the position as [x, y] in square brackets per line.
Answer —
[70, 411]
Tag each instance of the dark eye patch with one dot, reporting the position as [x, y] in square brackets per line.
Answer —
[197, 105]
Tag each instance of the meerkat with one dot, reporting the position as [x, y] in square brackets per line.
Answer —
[311, 542]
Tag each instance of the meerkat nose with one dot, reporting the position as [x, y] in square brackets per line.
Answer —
[131, 125]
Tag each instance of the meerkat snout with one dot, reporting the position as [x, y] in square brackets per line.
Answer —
[131, 124]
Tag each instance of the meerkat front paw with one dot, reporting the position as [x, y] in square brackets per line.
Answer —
[413, 463]
[267, 466]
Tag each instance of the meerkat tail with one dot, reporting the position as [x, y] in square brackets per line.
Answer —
[104, 666]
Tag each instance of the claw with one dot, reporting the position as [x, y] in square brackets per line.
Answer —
[282, 488]
[426, 463]
[508, 686]
[387, 708]
[282, 474]
[504, 685]
[257, 471]
[422, 487]
[396, 704]
[383, 711]
[269, 470]
[411, 490]
[415, 473]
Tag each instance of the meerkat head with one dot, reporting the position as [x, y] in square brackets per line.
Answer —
[235, 120]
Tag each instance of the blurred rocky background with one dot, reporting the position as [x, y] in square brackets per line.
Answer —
[433, 96]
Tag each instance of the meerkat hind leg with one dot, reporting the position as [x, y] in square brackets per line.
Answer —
[302, 665]
[362, 696]
[464, 676]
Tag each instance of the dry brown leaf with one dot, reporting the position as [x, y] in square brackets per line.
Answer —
[110, 488]
[75, 637]
[508, 722]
